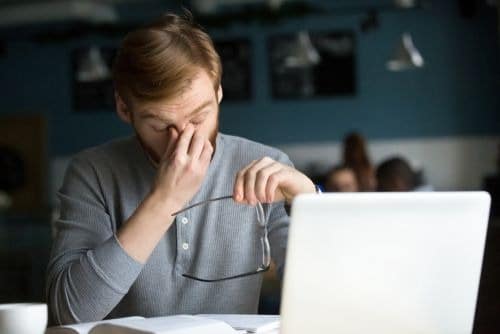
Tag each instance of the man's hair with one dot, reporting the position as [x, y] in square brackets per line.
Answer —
[161, 59]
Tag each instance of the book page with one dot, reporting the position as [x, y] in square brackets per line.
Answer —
[252, 323]
[179, 324]
[84, 328]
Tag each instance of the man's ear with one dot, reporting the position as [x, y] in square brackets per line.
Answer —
[122, 109]
[219, 94]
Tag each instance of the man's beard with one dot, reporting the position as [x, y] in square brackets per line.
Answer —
[153, 156]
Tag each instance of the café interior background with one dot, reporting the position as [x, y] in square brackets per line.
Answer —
[441, 112]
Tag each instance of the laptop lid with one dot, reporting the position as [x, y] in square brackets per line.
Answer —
[384, 263]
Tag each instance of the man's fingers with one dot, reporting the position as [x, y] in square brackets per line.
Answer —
[196, 146]
[238, 190]
[207, 151]
[261, 181]
[173, 135]
[185, 139]
[250, 177]
[272, 184]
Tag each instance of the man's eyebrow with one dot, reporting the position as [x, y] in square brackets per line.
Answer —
[195, 111]
[200, 107]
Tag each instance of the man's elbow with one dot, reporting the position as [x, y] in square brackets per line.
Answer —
[59, 304]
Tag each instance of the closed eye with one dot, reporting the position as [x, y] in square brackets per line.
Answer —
[199, 119]
[159, 128]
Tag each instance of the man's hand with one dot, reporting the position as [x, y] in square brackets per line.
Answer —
[266, 180]
[180, 174]
[183, 166]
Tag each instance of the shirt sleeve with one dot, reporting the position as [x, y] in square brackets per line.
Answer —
[88, 272]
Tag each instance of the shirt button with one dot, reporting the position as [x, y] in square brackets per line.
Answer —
[185, 246]
[184, 220]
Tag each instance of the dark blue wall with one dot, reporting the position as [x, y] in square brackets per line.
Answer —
[456, 93]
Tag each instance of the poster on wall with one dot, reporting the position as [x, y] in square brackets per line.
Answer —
[312, 64]
[236, 74]
[93, 87]
[92, 84]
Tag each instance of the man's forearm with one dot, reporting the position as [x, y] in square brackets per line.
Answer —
[144, 229]
[93, 282]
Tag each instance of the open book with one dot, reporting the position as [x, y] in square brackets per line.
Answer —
[177, 324]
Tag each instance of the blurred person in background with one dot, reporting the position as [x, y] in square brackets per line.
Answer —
[341, 179]
[356, 157]
[395, 174]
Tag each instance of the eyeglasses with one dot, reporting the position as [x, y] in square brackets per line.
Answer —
[264, 242]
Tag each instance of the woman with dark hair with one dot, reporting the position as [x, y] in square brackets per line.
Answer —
[356, 157]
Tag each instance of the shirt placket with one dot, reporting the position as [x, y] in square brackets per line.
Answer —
[183, 224]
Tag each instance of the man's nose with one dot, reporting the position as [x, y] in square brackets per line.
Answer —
[179, 127]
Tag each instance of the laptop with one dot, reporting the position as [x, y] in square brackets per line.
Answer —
[384, 263]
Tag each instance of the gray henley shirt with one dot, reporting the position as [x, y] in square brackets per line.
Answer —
[90, 277]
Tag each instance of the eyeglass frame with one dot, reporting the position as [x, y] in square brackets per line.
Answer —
[264, 241]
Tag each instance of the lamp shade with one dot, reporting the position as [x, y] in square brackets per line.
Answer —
[92, 66]
[406, 55]
[303, 54]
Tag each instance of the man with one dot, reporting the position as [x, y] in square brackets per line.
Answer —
[121, 249]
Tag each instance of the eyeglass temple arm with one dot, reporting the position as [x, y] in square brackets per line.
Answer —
[200, 203]
[258, 271]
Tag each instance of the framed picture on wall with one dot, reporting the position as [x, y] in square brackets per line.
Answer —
[236, 69]
[312, 64]
[91, 79]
